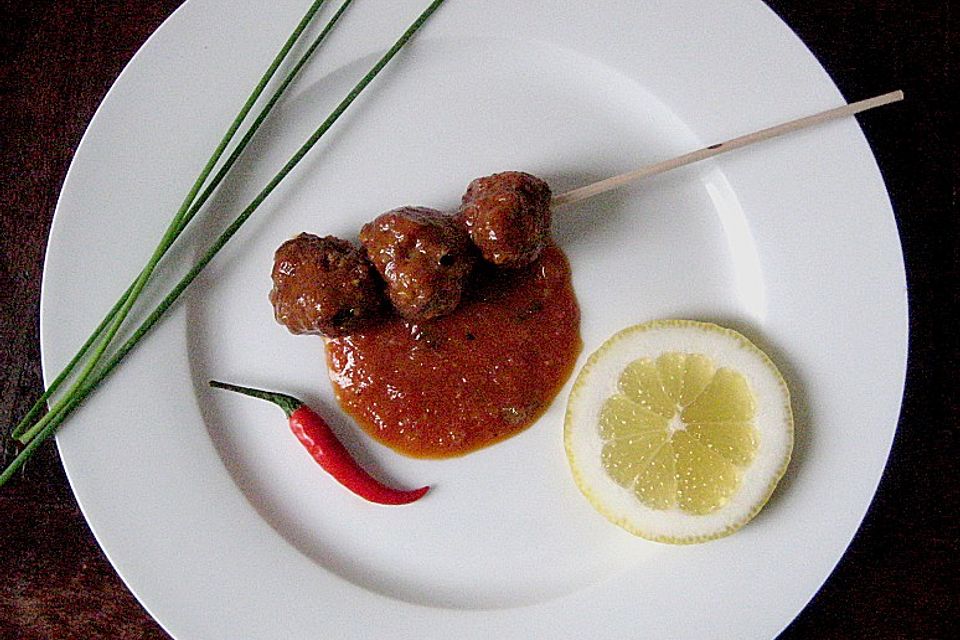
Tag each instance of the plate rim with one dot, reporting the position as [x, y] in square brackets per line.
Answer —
[176, 16]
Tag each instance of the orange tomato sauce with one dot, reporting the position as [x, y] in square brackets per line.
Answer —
[458, 383]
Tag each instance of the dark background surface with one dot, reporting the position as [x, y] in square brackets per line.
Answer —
[898, 578]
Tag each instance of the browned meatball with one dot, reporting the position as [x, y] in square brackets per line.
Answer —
[508, 217]
[423, 255]
[323, 285]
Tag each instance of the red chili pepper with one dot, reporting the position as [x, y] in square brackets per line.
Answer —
[315, 434]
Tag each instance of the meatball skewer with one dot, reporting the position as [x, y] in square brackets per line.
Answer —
[425, 256]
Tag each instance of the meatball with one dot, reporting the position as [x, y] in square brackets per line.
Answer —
[424, 256]
[508, 217]
[323, 285]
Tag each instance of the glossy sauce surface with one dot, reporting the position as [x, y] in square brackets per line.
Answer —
[485, 372]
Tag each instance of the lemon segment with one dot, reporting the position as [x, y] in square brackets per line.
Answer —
[640, 382]
[705, 479]
[671, 373]
[726, 398]
[678, 430]
[625, 460]
[736, 441]
[622, 417]
[684, 376]
[656, 486]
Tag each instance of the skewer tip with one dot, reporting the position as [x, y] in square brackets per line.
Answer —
[892, 96]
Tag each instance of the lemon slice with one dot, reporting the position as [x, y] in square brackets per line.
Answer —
[678, 431]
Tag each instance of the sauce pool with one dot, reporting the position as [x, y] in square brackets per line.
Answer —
[485, 372]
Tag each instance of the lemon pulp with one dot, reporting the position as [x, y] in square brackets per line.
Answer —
[678, 432]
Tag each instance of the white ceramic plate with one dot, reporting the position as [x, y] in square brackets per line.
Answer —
[223, 527]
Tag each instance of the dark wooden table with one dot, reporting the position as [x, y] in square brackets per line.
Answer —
[898, 578]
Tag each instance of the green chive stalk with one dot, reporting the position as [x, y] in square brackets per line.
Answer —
[184, 215]
[77, 397]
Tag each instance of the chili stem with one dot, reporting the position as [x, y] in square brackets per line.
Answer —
[41, 432]
[289, 404]
[177, 224]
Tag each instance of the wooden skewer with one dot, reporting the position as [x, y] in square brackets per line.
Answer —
[602, 186]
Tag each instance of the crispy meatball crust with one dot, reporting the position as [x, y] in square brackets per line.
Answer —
[324, 286]
[508, 217]
[423, 255]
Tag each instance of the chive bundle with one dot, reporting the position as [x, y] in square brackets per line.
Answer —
[95, 367]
